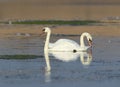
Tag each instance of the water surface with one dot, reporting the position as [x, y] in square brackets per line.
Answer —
[103, 70]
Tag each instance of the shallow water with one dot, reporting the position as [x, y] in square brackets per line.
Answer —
[103, 70]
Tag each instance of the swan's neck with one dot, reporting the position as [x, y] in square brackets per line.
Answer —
[47, 41]
[48, 68]
[82, 40]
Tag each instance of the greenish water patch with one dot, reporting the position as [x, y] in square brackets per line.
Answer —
[20, 56]
[55, 22]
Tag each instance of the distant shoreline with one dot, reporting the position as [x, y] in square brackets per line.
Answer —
[61, 10]
[108, 30]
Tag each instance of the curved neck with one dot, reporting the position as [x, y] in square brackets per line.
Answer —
[82, 44]
[47, 41]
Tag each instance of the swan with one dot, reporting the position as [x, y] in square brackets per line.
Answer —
[66, 44]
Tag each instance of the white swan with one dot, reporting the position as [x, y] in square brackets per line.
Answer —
[66, 44]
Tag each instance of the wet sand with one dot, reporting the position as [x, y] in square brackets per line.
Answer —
[108, 30]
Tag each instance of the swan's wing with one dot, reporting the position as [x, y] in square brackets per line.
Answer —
[64, 45]
[66, 41]
[58, 42]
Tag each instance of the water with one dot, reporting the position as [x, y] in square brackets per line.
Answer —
[103, 69]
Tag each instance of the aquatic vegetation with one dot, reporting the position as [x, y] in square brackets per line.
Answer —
[56, 22]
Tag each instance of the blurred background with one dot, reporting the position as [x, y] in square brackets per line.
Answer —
[59, 9]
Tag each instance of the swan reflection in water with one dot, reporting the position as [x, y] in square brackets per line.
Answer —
[85, 59]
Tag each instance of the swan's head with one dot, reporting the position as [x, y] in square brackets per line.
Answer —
[89, 38]
[46, 29]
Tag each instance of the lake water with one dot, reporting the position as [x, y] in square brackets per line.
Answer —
[103, 69]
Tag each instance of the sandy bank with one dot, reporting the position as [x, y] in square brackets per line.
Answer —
[74, 30]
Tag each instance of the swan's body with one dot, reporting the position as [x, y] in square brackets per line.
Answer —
[66, 44]
[63, 45]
